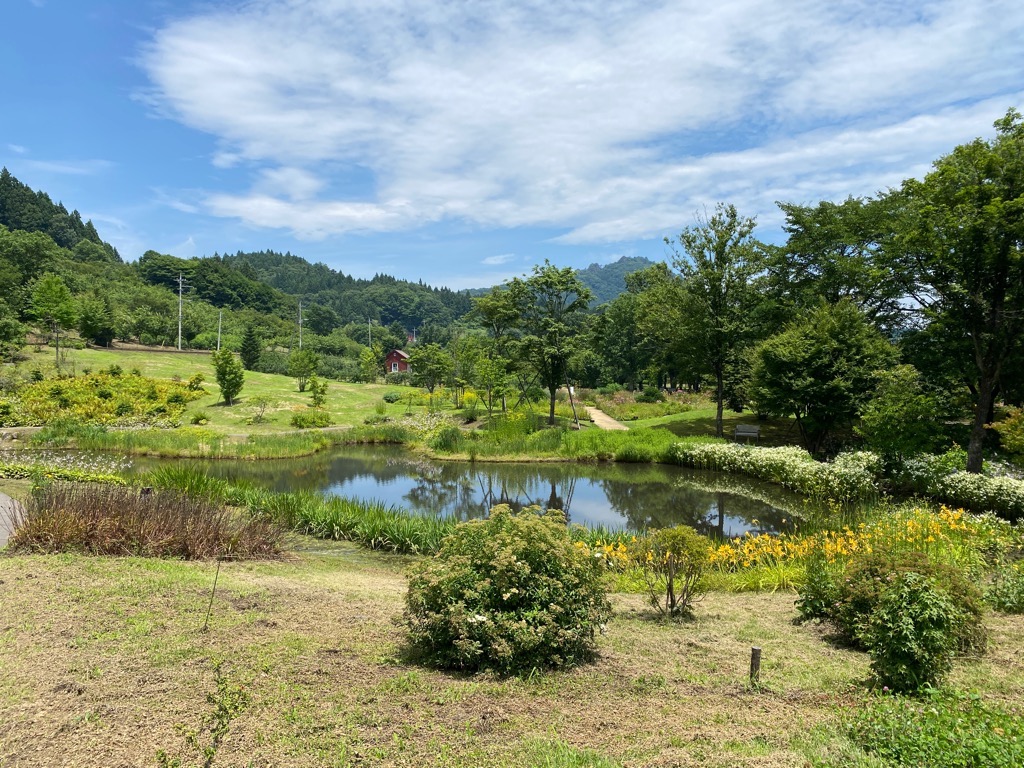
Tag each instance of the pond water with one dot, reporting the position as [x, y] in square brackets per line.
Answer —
[618, 496]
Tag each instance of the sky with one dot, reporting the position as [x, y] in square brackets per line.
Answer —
[460, 143]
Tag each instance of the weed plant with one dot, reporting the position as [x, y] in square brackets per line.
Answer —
[111, 520]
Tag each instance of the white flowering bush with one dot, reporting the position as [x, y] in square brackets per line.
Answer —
[981, 493]
[944, 479]
[511, 593]
[851, 476]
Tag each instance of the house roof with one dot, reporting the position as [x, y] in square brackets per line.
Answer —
[400, 353]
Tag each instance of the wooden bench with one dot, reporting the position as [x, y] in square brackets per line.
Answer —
[747, 431]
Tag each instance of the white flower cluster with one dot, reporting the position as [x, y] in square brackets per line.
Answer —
[849, 477]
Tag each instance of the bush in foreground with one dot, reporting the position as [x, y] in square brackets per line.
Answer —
[111, 520]
[511, 593]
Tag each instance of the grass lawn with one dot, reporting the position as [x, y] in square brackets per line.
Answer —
[348, 404]
[700, 422]
[104, 663]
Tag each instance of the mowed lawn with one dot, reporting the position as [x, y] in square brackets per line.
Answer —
[105, 663]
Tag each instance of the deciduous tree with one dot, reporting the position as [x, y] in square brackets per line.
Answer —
[230, 374]
[959, 252]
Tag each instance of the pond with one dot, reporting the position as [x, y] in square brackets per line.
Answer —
[617, 496]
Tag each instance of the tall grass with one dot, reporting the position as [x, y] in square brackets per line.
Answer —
[635, 445]
[186, 442]
[111, 520]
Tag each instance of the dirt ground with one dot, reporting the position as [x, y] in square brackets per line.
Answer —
[103, 662]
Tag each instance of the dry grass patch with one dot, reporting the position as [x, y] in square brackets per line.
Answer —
[103, 658]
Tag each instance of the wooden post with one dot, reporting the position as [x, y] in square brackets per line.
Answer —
[755, 666]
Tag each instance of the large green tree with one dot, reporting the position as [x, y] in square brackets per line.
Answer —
[959, 253]
[821, 369]
[430, 365]
[554, 305]
[719, 260]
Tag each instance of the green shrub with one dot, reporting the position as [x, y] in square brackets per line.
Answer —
[912, 635]
[195, 383]
[446, 439]
[391, 396]
[819, 593]
[511, 593]
[947, 730]
[867, 577]
[673, 562]
[651, 395]
[311, 418]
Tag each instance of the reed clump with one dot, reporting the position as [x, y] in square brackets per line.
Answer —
[112, 520]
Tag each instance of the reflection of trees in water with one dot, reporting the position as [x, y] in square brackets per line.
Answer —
[644, 496]
[469, 492]
[659, 505]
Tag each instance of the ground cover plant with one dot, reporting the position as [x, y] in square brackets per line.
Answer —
[946, 729]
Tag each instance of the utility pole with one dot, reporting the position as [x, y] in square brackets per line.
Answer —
[300, 323]
[181, 286]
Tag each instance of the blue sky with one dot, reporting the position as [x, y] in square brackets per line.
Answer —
[461, 143]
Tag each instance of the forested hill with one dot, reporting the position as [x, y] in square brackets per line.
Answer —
[609, 280]
[24, 209]
[383, 298]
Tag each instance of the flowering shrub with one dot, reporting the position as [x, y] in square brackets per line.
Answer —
[851, 476]
[813, 562]
[100, 398]
[510, 593]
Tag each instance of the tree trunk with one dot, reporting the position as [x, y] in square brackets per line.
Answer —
[551, 412]
[719, 397]
[986, 401]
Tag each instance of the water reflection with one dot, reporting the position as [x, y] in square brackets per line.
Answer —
[614, 495]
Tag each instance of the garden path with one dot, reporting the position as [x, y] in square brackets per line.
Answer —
[603, 420]
[7, 509]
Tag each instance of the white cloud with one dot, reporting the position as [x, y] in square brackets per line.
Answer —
[501, 258]
[609, 120]
[69, 167]
[17, 149]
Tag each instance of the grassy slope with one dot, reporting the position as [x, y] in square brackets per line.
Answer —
[348, 404]
[103, 658]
